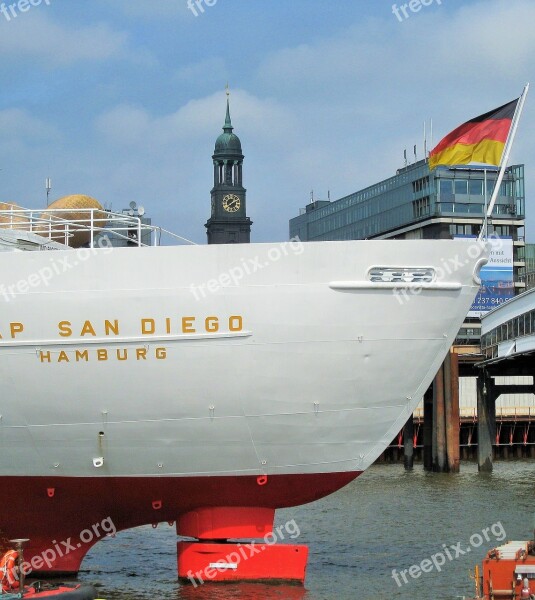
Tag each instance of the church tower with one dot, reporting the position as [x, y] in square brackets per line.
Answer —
[228, 223]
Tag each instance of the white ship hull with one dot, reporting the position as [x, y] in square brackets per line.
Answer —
[213, 364]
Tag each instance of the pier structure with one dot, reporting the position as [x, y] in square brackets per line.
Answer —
[444, 430]
[439, 422]
[508, 347]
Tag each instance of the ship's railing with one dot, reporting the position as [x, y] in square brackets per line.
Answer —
[84, 226]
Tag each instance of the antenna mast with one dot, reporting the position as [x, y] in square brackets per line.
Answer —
[48, 188]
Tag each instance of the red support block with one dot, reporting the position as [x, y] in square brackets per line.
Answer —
[201, 562]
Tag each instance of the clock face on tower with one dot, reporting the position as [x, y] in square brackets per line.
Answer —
[231, 203]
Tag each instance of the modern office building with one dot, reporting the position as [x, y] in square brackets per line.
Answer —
[530, 266]
[417, 203]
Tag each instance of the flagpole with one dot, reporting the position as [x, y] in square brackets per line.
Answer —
[484, 227]
[425, 143]
[505, 158]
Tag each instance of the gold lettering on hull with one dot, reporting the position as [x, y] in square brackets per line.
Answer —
[146, 326]
[190, 324]
[176, 328]
[151, 326]
[65, 328]
[103, 355]
[14, 330]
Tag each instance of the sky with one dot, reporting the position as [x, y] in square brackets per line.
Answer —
[123, 99]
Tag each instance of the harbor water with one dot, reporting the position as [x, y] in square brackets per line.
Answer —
[386, 520]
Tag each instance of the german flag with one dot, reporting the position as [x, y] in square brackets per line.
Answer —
[480, 140]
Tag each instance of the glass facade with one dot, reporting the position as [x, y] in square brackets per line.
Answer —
[414, 194]
[521, 326]
[529, 257]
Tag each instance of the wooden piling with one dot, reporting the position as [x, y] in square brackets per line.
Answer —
[485, 423]
[428, 429]
[452, 412]
[408, 444]
[439, 424]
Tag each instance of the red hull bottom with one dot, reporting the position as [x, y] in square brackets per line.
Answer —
[64, 517]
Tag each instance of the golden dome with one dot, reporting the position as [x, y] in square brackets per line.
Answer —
[76, 207]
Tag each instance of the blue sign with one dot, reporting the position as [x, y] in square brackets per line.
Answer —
[497, 283]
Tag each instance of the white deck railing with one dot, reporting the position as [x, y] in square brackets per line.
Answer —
[58, 225]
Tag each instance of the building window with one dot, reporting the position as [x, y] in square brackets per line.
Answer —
[475, 187]
[501, 230]
[459, 229]
[474, 208]
[446, 187]
[420, 185]
[461, 186]
[521, 325]
[420, 208]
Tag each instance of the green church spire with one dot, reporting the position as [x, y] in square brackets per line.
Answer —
[228, 123]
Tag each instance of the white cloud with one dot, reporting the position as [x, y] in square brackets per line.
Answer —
[35, 36]
[210, 69]
[255, 119]
[19, 124]
[494, 35]
[362, 95]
